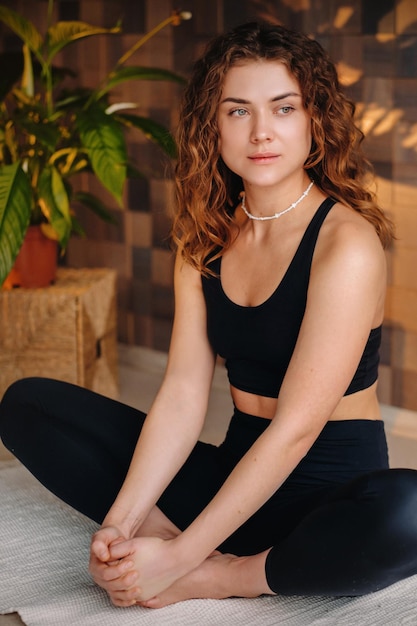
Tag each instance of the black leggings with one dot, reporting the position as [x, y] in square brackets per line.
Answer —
[341, 524]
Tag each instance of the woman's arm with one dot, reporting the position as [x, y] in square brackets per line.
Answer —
[345, 293]
[177, 415]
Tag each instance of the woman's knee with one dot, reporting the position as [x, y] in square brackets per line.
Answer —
[395, 528]
[22, 392]
[399, 499]
[390, 496]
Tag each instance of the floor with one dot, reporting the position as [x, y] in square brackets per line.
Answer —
[141, 372]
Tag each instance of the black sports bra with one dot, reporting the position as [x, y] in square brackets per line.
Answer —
[257, 342]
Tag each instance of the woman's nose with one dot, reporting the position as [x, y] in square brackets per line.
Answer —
[261, 129]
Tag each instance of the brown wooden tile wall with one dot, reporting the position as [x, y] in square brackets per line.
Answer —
[375, 46]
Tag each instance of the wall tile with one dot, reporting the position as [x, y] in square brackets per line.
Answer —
[378, 17]
[378, 97]
[405, 95]
[162, 301]
[69, 10]
[401, 308]
[98, 229]
[406, 173]
[404, 265]
[149, 159]
[124, 293]
[385, 384]
[406, 17]
[83, 252]
[143, 331]
[161, 336]
[162, 267]
[404, 392]
[388, 256]
[347, 17]
[156, 12]
[406, 57]
[141, 297]
[379, 57]
[348, 50]
[379, 148]
[161, 229]
[133, 15]
[385, 192]
[405, 214]
[383, 169]
[141, 263]
[404, 350]
[138, 194]
[234, 12]
[123, 326]
[385, 352]
[405, 150]
[138, 227]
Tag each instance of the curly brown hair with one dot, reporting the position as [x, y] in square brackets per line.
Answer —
[207, 190]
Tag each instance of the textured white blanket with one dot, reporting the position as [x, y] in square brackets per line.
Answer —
[43, 576]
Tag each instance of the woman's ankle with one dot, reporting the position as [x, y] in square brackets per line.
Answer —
[249, 576]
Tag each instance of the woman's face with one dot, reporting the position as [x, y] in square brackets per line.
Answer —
[264, 130]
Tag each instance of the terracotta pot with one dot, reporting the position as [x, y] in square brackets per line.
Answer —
[36, 263]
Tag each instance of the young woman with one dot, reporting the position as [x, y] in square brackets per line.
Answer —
[280, 270]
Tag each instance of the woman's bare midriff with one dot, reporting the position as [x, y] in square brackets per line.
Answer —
[360, 405]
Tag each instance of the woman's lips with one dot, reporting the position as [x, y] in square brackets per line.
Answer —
[263, 157]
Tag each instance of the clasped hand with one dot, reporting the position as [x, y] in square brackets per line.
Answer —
[132, 570]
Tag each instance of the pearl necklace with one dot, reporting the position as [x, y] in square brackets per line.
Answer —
[276, 215]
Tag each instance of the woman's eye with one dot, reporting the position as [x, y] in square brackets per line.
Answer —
[238, 112]
[286, 110]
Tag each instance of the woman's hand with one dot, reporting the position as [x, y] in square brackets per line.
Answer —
[101, 541]
[140, 568]
[115, 576]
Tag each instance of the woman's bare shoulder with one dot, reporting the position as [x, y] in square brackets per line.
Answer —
[346, 234]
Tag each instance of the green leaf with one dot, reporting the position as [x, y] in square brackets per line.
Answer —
[77, 229]
[46, 133]
[54, 202]
[96, 205]
[132, 72]
[105, 145]
[73, 99]
[133, 172]
[22, 28]
[15, 209]
[27, 76]
[63, 33]
[153, 131]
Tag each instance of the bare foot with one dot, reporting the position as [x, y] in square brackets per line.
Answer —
[219, 576]
[158, 525]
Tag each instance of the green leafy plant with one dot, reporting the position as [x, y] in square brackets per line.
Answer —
[49, 133]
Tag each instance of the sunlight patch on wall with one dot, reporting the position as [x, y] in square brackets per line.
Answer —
[342, 16]
[348, 75]
[388, 122]
[406, 14]
[411, 140]
[298, 5]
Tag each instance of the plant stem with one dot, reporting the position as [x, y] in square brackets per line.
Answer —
[144, 39]
[49, 14]
[46, 66]
[96, 95]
